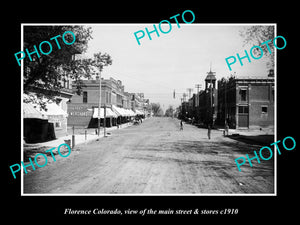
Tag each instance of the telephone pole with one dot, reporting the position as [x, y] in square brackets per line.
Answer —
[189, 91]
[104, 121]
[184, 95]
[198, 86]
[99, 104]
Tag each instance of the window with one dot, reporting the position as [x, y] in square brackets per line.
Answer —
[57, 124]
[107, 98]
[264, 109]
[243, 109]
[85, 97]
[243, 95]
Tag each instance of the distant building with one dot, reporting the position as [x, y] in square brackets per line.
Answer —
[83, 107]
[140, 105]
[202, 107]
[246, 102]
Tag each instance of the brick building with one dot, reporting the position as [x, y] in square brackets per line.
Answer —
[246, 102]
[243, 102]
[83, 108]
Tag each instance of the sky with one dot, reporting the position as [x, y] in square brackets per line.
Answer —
[176, 61]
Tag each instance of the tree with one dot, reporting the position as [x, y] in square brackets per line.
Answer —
[160, 112]
[44, 75]
[44, 71]
[156, 109]
[170, 111]
[99, 61]
[255, 35]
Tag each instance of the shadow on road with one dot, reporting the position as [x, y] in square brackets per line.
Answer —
[264, 140]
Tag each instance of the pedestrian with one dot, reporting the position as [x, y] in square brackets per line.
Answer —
[209, 131]
[181, 125]
[226, 129]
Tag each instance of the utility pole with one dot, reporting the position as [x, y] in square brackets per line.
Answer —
[184, 96]
[99, 103]
[189, 91]
[211, 94]
[225, 102]
[104, 121]
[198, 86]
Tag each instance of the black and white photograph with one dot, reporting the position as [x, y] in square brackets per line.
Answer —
[138, 112]
[177, 115]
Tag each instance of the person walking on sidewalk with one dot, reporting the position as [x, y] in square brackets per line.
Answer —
[181, 125]
[208, 131]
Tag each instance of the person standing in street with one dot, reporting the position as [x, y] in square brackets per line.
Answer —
[226, 129]
[181, 125]
[208, 131]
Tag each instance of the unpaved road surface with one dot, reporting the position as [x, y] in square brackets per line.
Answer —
[155, 158]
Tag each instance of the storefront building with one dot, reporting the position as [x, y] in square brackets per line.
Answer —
[246, 103]
[83, 108]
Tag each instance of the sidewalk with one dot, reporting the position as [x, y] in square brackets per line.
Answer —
[79, 138]
[262, 137]
[252, 132]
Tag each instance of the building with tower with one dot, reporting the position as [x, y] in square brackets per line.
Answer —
[241, 102]
[207, 100]
[202, 108]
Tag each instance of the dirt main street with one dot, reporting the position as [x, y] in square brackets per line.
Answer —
[155, 158]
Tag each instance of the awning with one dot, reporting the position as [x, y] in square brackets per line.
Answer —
[30, 112]
[130, 112]
[122, 112]
[117, 110]
[138, 112]
[109, 113]
[54, 110]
